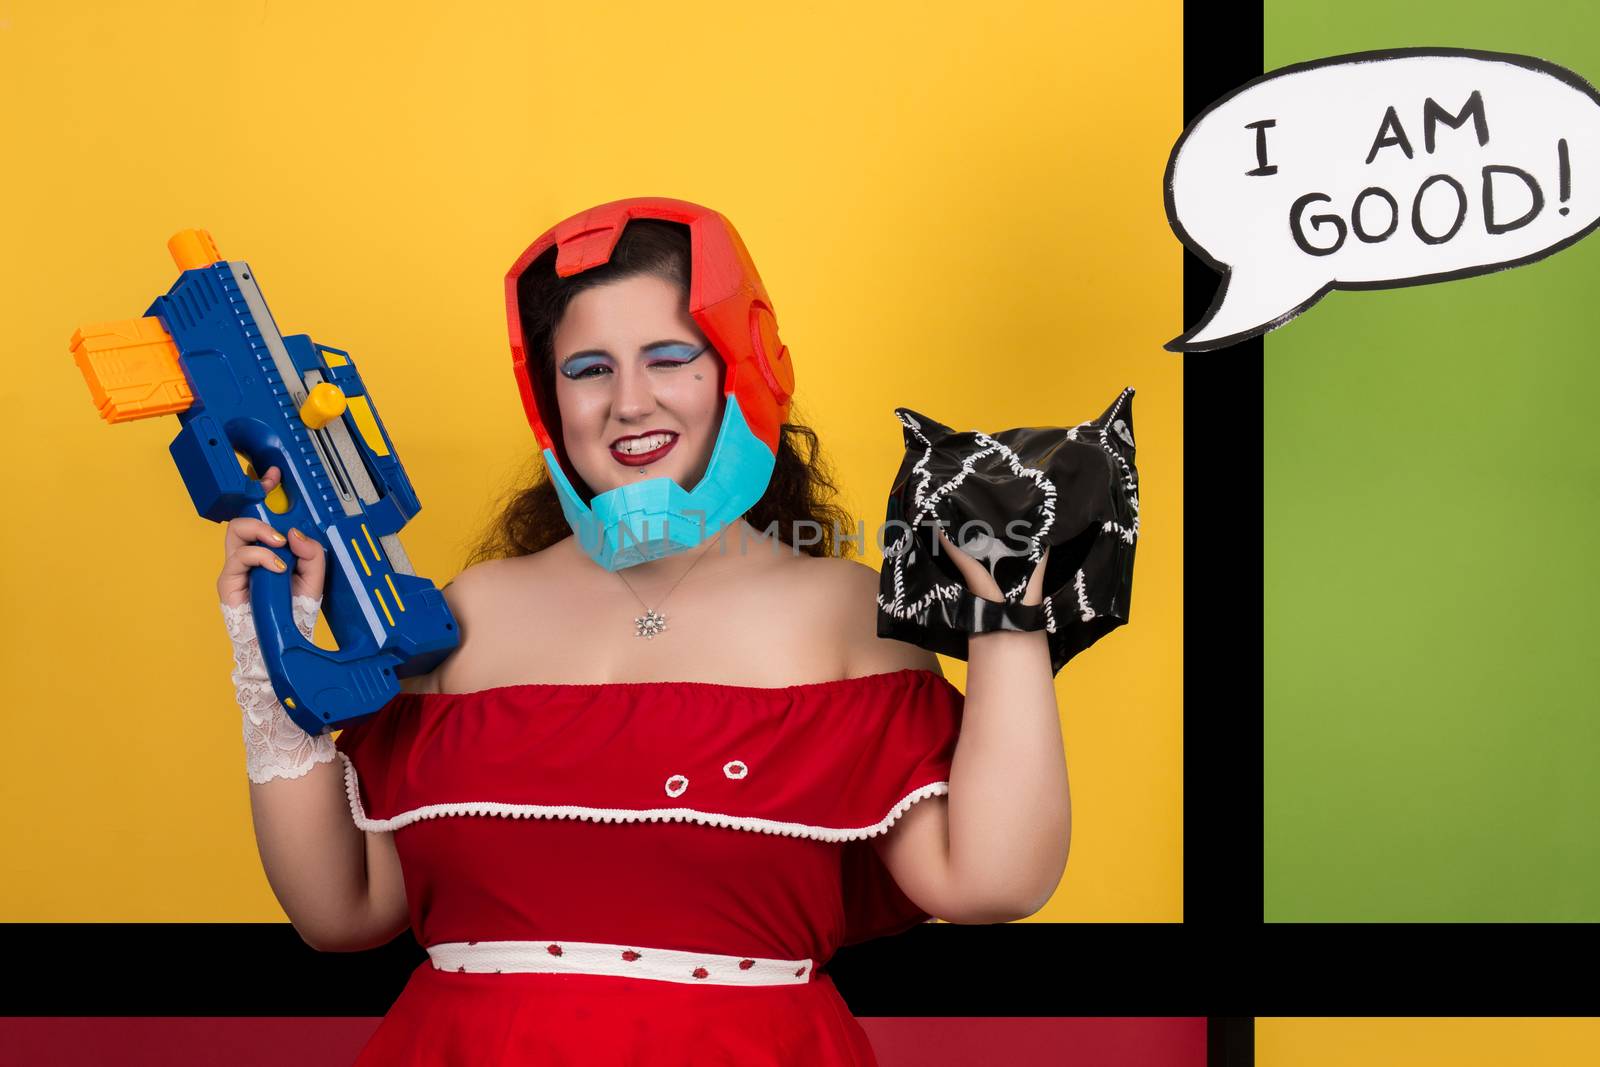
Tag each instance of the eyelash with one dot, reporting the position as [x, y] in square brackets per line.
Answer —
[660, 362]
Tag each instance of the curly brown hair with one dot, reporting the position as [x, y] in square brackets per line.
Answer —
[800, 495]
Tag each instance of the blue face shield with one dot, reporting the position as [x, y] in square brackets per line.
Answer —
[657, 517]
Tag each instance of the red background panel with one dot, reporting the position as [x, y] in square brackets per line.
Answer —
[334, 1042]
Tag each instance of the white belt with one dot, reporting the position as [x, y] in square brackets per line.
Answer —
[631, 961]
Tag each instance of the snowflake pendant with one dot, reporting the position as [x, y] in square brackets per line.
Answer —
[650, 623]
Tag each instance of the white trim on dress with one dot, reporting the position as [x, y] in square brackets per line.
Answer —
[352, 788]
[628, 961]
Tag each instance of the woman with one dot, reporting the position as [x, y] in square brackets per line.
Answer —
[643, 846]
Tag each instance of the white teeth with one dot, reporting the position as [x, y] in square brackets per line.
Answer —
[643, 444]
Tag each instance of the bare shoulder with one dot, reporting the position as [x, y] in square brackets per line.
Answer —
[853, 604]
[466, 592]
[466, 595]
[481, 575]
[478, 585]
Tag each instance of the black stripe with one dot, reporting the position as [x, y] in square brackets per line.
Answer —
[1221, 546]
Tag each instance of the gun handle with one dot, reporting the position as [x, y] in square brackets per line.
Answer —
[318, 689]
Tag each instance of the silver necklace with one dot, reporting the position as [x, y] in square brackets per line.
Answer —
[652, 622]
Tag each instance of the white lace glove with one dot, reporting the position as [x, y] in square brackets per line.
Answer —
[274, 745]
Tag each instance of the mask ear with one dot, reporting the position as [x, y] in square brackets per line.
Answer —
[1074, 490]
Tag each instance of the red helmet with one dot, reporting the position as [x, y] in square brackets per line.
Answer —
[726, 299]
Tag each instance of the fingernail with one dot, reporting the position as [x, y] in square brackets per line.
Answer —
[277, 538]
[296, 534]
[277, 564]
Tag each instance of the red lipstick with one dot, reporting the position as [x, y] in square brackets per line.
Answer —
[646, 457]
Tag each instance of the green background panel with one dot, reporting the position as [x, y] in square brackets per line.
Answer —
[1432, 594]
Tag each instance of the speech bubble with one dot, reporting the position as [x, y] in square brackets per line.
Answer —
[1377, 170]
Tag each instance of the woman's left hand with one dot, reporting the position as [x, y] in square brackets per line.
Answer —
[981, 583]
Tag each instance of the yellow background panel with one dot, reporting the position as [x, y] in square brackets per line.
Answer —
[956, 208]
[1442, 1042]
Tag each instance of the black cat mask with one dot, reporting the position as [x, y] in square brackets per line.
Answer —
[1003, 499]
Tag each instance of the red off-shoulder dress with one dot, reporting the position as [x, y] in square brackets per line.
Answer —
[644, 872]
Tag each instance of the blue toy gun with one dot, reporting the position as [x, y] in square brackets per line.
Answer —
[249, 398]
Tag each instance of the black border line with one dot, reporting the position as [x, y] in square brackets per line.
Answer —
[1222, 619]
[1231, 1041]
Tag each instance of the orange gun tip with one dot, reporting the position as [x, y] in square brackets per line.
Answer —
[193, 248]
[132, 365]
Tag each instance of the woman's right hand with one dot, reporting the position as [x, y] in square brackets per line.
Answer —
[242, 552]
